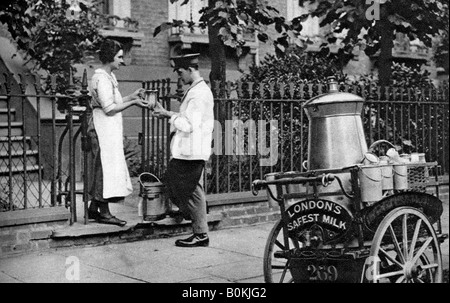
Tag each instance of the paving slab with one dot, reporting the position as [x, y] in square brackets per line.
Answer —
[154, 272]
[189, 258]
[248, 241]
[236, 271]
[208, 280]
[4, 278]
[103, 257]
[33, 267]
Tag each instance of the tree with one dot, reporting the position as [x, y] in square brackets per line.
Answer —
[441, 54]
[373, 24]
[49, 40]
[227, 22]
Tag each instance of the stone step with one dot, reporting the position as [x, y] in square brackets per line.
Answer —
[79, 233]
[19, 169]
[17, 157]
[4, 114]
[16, 129]
[17, 143]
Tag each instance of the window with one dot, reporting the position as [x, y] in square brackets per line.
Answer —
[121, 9]
[123, 28]
[187, 13]
[185, 38]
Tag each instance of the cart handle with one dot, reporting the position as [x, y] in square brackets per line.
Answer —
[324, 179]
[380, 142]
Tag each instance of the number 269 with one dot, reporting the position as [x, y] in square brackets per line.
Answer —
[322, 273]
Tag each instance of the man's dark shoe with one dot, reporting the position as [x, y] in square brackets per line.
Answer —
[111, 220]
[193, 241]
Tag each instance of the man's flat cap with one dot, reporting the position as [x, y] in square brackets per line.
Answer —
[184, 61]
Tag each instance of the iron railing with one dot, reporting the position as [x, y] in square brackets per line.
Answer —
[40, 158]
[38, 144]
[416, 120]
[23, 183]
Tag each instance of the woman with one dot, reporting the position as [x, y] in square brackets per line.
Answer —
[109, 179]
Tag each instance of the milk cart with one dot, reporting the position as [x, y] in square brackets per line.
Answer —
[347, 219]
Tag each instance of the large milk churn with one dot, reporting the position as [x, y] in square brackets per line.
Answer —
[336, 134]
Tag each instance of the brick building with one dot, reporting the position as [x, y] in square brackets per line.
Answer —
[148, 56]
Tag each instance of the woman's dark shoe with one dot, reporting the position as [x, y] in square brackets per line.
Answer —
[93, 215]
[111, 220]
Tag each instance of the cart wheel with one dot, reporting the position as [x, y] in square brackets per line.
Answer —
[276, 268]
[405, 249]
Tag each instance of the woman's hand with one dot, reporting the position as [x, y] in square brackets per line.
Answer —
[140, 102]
[138, 98]
[138, 94]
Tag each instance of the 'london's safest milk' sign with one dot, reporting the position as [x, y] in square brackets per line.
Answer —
[334, 219]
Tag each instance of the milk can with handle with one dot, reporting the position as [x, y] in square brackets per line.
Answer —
[154, 205]
[336, 134]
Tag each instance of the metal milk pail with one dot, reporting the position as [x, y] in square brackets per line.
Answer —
[370, 178]
[400, 176]
[154, 205]
[387, 172]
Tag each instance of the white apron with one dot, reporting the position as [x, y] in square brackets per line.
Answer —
[116, 178]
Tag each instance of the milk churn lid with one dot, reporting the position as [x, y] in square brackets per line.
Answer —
[334, 96]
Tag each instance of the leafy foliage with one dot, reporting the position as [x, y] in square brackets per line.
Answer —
[237, 19]
[408, 76]
[48, 39]
[368, 23]
[296, 66]
[441, 54]
[314, 67]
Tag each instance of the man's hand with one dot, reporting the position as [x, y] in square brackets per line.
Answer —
[160, 112]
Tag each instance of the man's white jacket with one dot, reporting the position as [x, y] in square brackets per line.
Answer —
[194, 124]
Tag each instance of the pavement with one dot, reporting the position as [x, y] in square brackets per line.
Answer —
[235, 255]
